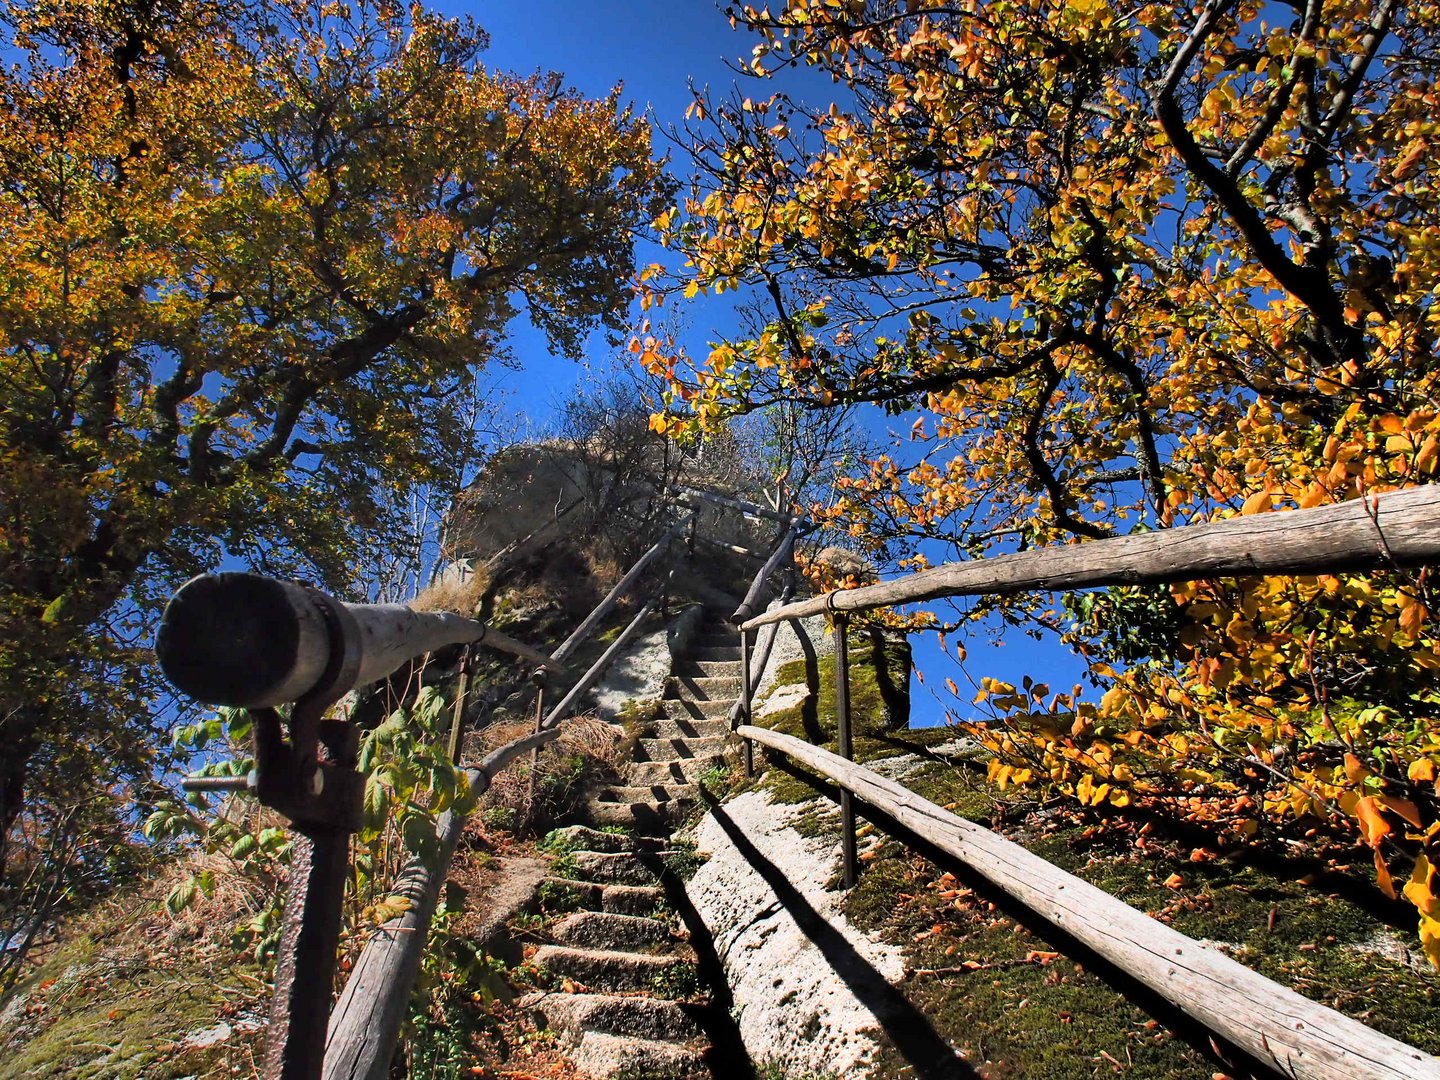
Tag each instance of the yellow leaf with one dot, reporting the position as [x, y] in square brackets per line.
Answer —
[1429, 452]
[1430, 940]
[1417, 889]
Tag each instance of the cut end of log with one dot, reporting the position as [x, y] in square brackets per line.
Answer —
[229, 639]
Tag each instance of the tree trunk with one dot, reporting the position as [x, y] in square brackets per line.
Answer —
[17, 747]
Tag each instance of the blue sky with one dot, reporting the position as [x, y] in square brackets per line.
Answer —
[655, 49]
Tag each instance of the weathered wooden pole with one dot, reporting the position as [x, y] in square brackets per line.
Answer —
[591, 677]
[366, 1021]
[841, 623]
[741, 713]
[754, 598]
[622, 587]
[457, 718]
[538, 678]
[255, 642]
[1291, 1034]
[1394, 530]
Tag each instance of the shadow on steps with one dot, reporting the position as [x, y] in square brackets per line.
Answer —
[930, 1057]
[726, 1057]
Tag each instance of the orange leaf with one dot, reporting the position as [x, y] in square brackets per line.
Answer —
[1372, 823]
[1382, 876]
[1354, 770]
[1259, 503]
[1404, 807]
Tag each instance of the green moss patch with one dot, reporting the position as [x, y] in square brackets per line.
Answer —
[102, 1008]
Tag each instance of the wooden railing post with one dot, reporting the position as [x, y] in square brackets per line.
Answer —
[457, 719]
[841, 623]
[538, 678]
[743, 717]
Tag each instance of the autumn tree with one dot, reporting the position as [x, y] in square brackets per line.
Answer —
[250, 251]
[1115, 266]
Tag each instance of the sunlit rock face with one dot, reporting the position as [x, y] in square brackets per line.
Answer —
[535, 493]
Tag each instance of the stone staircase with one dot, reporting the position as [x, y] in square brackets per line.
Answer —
[673, 749]
[630, 1004]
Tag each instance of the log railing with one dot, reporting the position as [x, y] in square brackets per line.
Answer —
[251, 642]
[367, 1019]
[752, 668]
[1276, 1026]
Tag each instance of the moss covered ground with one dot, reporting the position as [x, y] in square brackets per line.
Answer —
[1012, 995]
[133, 994]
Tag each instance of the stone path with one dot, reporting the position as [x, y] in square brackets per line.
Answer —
[631, 1006]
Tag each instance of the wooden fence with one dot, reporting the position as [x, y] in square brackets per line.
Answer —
[1276, 1026]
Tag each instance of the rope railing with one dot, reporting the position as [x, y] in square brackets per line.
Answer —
[1289, 1033]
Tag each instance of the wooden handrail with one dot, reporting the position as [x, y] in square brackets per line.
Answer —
[256, 642]
[621, 588]
[778, 558]
[366, 1021]
[1298, 1037]
[753, 509]
[734, 549]
[598, 668]
[1397, 529]
[763, 647]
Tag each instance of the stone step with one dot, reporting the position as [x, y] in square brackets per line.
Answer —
[610, 1014]
[680, 771]
[711, 669]
[650, 794]
[658, 820]
[606, 970]
[675, 749]
[581, 838]
[676, 709]
[686, 729]
[643, 900]
[614, 1056]
[610, 868]
[716, 640]
[699, 688]
[703, 651]
[606, 930]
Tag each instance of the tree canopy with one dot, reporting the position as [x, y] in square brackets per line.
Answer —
[250, 253]
[1116, 267]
